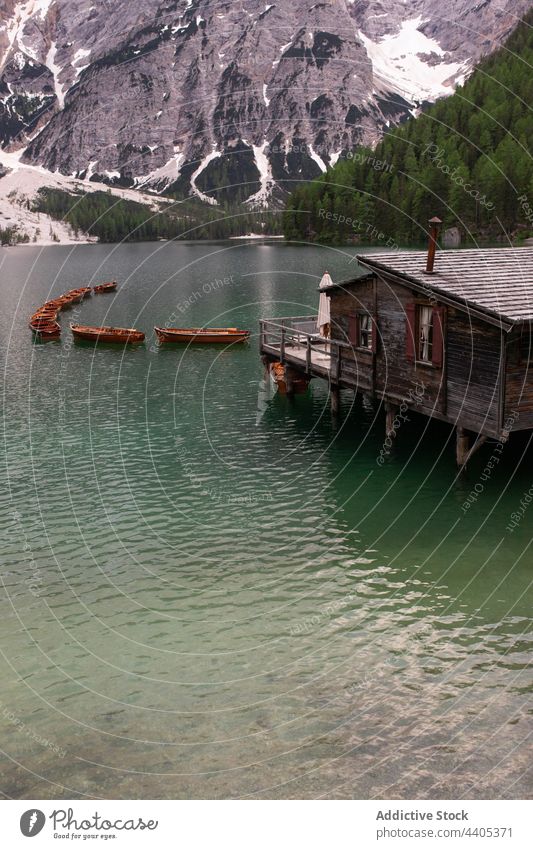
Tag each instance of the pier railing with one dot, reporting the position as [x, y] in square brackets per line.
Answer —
[296, 340]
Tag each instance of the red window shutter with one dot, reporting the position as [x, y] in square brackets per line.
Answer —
[439, 317]
[353, 330]
[410, 330]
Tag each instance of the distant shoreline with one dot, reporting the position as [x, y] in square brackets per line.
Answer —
[254, 239]
[70, 244]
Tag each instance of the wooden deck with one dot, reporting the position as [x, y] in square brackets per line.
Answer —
[295, 341]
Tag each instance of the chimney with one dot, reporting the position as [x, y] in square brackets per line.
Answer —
[434, 230]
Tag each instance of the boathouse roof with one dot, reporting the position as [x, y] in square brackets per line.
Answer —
[497, 281]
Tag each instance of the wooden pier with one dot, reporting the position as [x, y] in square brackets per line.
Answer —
[293, 341]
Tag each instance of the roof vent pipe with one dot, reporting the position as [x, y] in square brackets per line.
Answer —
[434, 230]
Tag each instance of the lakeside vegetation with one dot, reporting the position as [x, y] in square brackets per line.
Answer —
[12, 236]
[113, 219]
[467, 159]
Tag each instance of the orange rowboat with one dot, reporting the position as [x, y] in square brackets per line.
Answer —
[46, 315]
[74, 297]
[63, 302]
[41, 319]
[299, 384]
[116, 335]
[105, 287]
[202, 336]
[51, 330]
[41, 310]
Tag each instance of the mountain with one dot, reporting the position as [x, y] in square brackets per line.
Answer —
[467, 158]
[225, 100]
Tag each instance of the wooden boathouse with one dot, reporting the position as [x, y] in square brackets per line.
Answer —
[455, 325]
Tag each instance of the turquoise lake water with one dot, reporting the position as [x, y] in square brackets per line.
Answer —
[211, 591]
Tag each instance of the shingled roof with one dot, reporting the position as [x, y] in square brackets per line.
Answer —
[498, 281]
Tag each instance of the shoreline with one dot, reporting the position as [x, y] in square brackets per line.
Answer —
[363, 247]
[95, 241]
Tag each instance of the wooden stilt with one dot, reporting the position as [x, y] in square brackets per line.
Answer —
[335, 396]
[462, 447]
[391, 411]
[289, 381]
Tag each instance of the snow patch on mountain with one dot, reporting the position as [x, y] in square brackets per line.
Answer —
[78, 57]
[41, 8]
[319, 161]
[162, 177]
[398, 60]
[203, 164]
[91, 169]
[261, 197]
[56, 70]
[14, 28]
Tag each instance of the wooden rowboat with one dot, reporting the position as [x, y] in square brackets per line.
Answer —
[299, 384]
[117, 335]
[75, 296]
[48, 315]
[45, 310]
[64, 302]
[105, 287]
[201, 336]
[51, 330]
[41, 319]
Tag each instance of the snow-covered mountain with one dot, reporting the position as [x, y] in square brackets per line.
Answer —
[201, 95]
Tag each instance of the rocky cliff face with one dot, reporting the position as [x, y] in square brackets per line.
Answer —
[225, 99]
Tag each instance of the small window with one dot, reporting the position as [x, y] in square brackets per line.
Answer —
[365, 331]
[425, 334]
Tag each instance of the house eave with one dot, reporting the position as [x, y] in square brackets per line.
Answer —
[490, 316]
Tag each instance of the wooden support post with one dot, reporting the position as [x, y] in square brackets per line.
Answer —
[308, 356]
[336, 355]
[462, 447]
[335, 395]
[282, 346]
[289, 382]
[391, 411]
[479, 441]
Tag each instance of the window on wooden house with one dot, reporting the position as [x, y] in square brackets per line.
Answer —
[361, 331]
[365, 331]
[425, 334]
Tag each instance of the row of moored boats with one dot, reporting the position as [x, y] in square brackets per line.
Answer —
[44, 324]
[183, 335]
